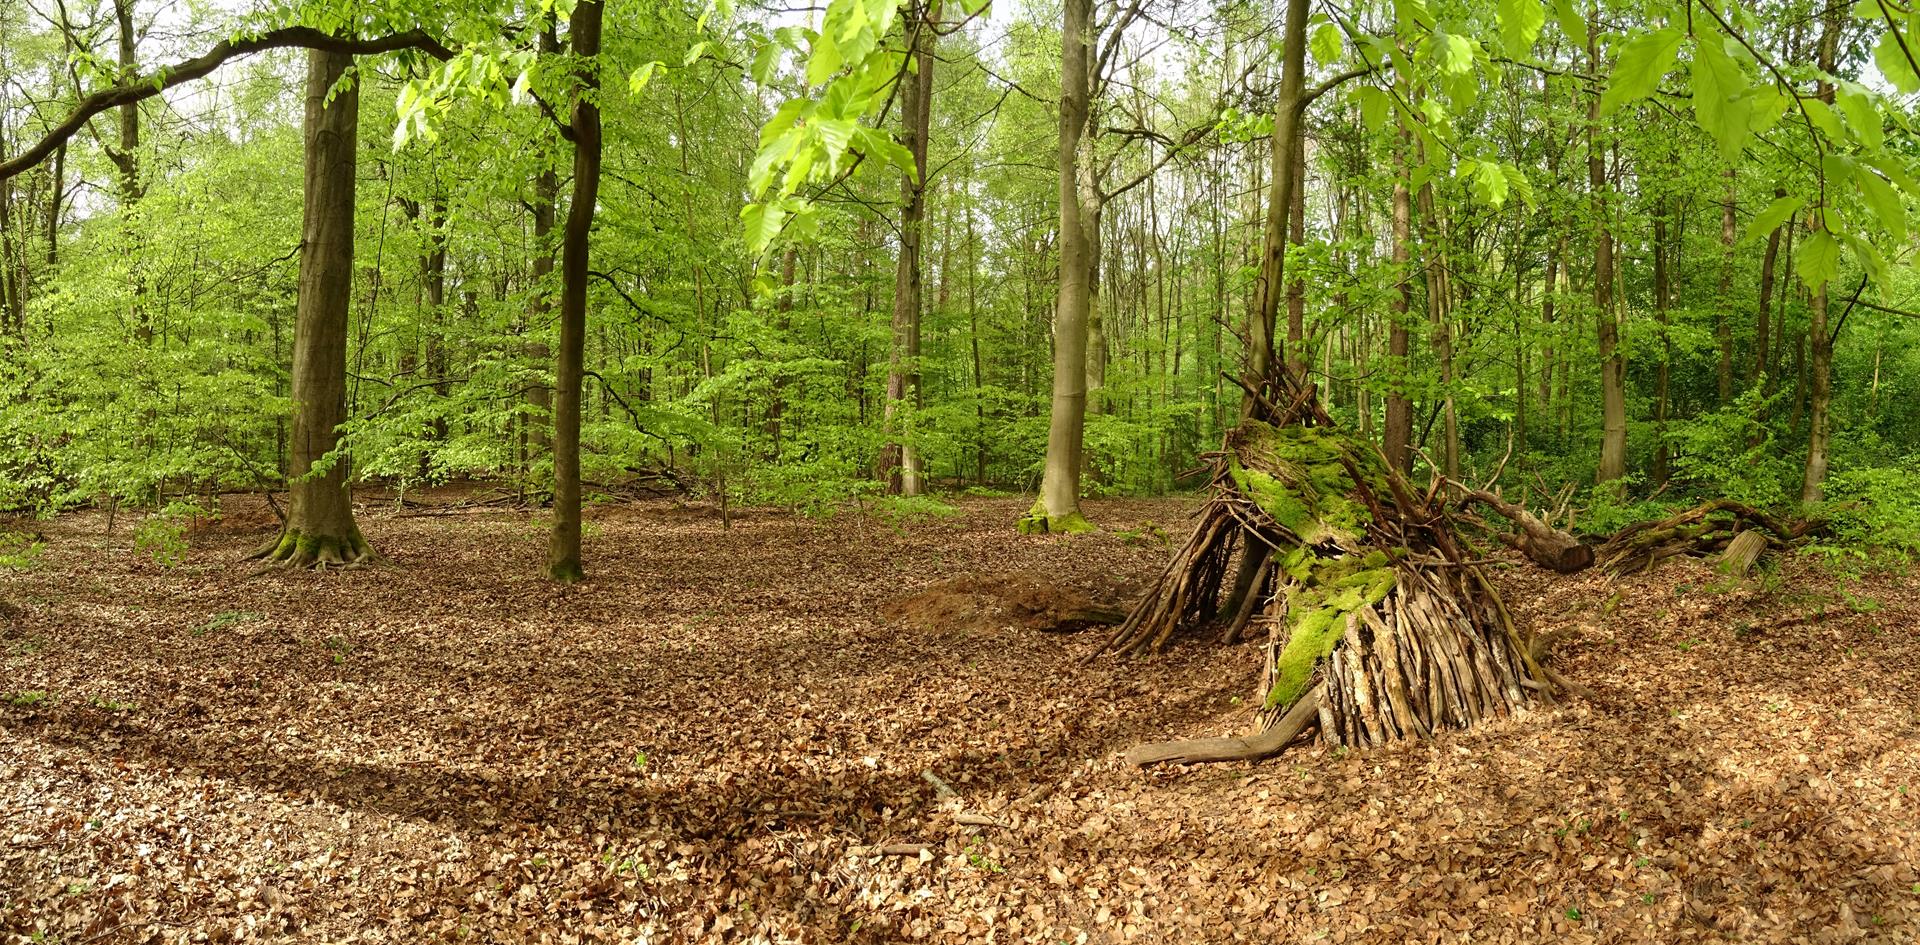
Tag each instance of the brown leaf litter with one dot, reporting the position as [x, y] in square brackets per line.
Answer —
[725, 737]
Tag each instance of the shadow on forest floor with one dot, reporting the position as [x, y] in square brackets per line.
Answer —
[697, 744]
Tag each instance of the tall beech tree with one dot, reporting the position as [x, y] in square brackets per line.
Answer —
[320, 530]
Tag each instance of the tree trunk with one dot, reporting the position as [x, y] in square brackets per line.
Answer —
[1399, 423]
[1613, 364]
[1273, 241]
[1296, 287]
[1058, 509]
[1663, 375]
[1763, 362]
[1812, 485]
[546, 212]
[900, 464]
[433, 279]
[1722, 318]
[320, 530]
[563, 548]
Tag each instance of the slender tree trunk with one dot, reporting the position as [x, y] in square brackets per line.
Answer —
[546, 213]
[1819, 337]
[57, 197]
[1399, 422]
[1662, 292]
[1723, 319]
[1433, 253]
[1059, 506]
[900, 465]
[12, 306]
[563, 549]
[1763, 360]
[979, 369]
[320, 530]
[433, 279]
[1273, 258]
[1613, 364]
[1296, 287]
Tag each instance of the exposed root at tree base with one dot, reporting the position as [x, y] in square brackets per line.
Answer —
[295, 550]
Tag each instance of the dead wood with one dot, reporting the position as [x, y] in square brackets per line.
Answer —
[1741, 553]
[1379, 626]
[1266, 744]
[1706, 529]
[1543, 544]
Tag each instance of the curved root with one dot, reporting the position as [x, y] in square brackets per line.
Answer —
[1304, 713]
[297, 550]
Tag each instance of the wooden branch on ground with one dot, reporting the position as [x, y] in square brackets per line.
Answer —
[1304, 713]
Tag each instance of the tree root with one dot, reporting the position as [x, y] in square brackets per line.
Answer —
[293, 550]
[1304, 714]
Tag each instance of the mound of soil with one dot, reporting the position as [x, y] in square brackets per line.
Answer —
[1013, 599]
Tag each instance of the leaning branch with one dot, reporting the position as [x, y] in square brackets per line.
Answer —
[145, 87]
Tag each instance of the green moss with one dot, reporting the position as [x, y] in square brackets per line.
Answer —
[1038, 522]
[1298, 475]
[1325, 592]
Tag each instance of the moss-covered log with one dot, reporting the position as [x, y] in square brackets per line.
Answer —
[1371, 613]
[1706, 529]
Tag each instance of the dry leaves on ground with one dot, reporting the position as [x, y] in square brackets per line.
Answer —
[722, 737]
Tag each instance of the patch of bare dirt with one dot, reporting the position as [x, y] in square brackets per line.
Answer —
[722, 738]
[1027, 600]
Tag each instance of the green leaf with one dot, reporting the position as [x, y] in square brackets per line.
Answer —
[1895, 171]
[1777, 213]
[1862, 115]
[1870, 259]
[1518, 182]
[1894, 64]
[641, 76]
[1571, 22]
[1489, 181]
[1818, 259]
[825, 59]
[879, 144]
[1824, 119]
[1882, 199]
[762, 223]
[1643, 62]
[1452, 54]
[1520, 23]
[694, 53]
[1325, 44]
[1720, 103]
[1374, 106]
[834, 134]
[765, 61]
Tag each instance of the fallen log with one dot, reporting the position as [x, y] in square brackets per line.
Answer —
[1706, 529]
[1741, 553]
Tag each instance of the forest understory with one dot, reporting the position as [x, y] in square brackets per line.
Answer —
[742, 734]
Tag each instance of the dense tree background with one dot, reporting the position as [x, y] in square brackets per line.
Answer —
[149, 266]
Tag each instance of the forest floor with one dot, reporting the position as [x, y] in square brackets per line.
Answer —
[709, 740]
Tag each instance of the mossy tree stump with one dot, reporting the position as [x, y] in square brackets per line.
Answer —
[1377, 627]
